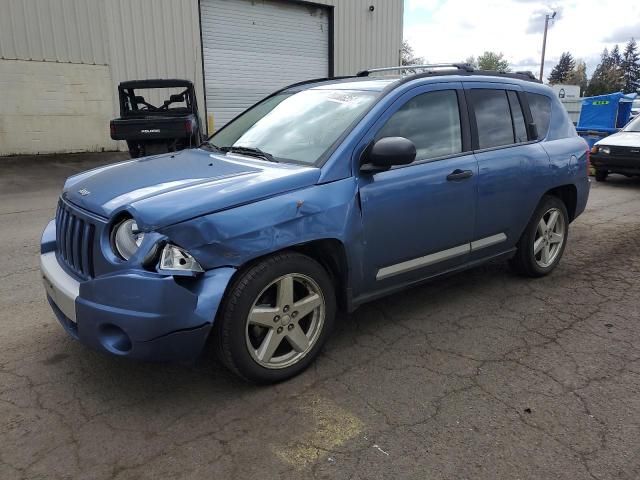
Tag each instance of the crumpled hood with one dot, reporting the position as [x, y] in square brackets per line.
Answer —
[621, 139]
[169, 188]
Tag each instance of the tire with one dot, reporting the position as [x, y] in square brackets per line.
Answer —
[134, 150]
[601, 175]
[258, 312]
[552, 241]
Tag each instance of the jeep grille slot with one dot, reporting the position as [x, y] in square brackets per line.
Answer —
[74, 241]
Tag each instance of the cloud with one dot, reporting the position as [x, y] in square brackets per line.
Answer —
[537, 19]
[525, 62]
[453, 30]
[422, 4]
[623, 34]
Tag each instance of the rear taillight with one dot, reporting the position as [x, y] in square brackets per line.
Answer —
[188, 126]
[589, 157]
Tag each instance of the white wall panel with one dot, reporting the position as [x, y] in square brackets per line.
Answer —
[365, 39]
[54, 107]
[68, 31]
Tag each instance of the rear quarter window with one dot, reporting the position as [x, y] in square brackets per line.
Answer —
[540, 106]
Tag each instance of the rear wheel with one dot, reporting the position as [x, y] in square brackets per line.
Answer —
[276, 317]
[542, 244]
[601, 175]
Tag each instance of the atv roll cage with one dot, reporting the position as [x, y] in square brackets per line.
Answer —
[132, 104]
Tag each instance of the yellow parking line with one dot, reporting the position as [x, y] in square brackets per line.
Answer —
[332, 426]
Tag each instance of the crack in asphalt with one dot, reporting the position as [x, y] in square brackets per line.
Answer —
[478, 375]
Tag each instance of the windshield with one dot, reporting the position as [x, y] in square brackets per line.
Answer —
[299, 127]
[634, 125]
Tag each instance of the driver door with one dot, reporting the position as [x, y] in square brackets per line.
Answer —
[419, 218]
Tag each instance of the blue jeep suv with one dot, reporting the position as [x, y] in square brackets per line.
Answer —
[324, 195]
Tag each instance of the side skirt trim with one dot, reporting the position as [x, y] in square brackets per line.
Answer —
[437, 257]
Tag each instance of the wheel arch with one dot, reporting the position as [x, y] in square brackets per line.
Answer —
[330, 253]
[569, 196]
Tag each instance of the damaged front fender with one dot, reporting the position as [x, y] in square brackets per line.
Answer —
[238, 235]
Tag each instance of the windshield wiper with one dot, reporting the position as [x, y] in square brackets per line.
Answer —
[250, 151]
[210, 145]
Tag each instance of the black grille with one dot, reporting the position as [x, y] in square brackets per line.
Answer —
[626, 151]
[74, 241]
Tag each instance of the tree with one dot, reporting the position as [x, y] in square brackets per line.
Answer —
[607, 77]
[616, 58]
[561, 71]
[630, 68]
[408, 55]
[578, 76]
[471, 60]
[493, 61]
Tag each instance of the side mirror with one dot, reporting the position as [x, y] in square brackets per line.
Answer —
[387, 152]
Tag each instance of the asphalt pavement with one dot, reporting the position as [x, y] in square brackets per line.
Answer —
[482, 375]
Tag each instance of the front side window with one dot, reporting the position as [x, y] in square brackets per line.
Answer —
[431, 121]
[300, 127]
[493, 117]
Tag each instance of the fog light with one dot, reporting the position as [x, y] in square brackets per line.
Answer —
[114, 339]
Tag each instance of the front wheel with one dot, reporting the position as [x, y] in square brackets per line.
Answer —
[542, 243]
[276, 317]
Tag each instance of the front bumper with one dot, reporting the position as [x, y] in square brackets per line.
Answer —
[134, 313]
[616, 163]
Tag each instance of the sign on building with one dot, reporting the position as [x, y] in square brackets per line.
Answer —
[566, 91]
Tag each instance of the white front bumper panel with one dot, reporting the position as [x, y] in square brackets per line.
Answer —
[60, 286]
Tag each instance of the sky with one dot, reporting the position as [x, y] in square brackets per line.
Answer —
[452, 30]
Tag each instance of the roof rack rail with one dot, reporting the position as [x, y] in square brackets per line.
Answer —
[414, 68]
[527, 73]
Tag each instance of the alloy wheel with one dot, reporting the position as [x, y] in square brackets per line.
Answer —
[549, 238]
[285, 321]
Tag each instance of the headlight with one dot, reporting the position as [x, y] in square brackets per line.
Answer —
[178, 260]
[605, 150]
[126, 239]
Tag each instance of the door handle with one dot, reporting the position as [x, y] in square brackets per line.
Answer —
[458, 175]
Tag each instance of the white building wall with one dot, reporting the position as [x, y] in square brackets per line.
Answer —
[54, 107]
[54, 76]
[135, 39]
[365, 39]
[68, 31]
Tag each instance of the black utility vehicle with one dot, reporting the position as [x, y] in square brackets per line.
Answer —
[173, 124]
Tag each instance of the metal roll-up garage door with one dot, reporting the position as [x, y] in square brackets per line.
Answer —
[253, 47]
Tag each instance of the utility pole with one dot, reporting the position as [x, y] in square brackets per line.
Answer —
[544, 41]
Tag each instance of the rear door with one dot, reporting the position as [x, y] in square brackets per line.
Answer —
[510, 162]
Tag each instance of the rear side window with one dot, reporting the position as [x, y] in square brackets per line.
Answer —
[540, 106]
[493, 117]
[431, 121]
[519, 125]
